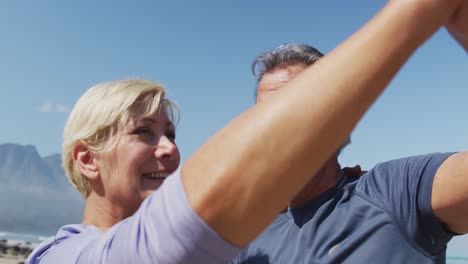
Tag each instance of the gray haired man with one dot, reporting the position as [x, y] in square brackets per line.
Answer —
[394, 213]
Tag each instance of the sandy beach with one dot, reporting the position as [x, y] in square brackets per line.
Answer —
[11, 260]
[14, 252]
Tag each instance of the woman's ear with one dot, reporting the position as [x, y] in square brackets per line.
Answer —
[86, 162]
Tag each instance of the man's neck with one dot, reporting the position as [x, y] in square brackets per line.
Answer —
[326, 178]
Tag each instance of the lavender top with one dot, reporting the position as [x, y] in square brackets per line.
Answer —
[165, 229]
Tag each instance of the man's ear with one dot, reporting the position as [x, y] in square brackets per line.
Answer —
[354, 172]
[86, 162]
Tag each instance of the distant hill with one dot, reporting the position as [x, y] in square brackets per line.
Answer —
[37, 197]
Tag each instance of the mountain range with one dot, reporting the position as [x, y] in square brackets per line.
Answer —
[37, 198]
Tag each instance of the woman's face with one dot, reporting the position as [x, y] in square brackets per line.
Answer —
[145, 154]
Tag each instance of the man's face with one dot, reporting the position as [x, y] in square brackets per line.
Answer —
[274, 80]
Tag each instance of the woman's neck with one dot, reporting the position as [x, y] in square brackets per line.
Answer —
[99, 212]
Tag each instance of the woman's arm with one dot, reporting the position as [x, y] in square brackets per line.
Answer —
[242, 177]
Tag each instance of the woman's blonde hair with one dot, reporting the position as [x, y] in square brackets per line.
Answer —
[104, 110]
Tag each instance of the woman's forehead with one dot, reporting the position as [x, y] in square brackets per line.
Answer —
[159, 117]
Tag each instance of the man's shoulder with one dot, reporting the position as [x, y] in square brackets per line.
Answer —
[415, 160]
[404, 181]
[402, 167]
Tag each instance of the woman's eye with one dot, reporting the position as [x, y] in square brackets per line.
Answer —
[171, 135]
[144, 132]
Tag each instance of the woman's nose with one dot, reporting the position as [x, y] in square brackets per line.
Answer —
[166, 149]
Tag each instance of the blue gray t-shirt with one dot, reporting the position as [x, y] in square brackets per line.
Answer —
[384, 216]
[165, 229]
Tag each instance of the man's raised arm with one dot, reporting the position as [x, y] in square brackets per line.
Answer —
[450, 193]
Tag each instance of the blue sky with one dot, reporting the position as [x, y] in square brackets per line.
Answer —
[52, 51]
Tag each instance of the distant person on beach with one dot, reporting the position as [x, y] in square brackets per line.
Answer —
[119, 147]
[401, 211]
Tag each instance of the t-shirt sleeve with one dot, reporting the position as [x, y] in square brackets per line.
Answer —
[164, 230]
[403, 188]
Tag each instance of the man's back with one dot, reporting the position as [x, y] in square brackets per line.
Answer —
[383, 217]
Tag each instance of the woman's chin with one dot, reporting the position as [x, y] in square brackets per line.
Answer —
[151, 184]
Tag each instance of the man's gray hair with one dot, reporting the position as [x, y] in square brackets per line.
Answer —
[286, 55]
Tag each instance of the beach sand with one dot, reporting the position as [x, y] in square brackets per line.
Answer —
[11, 260]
